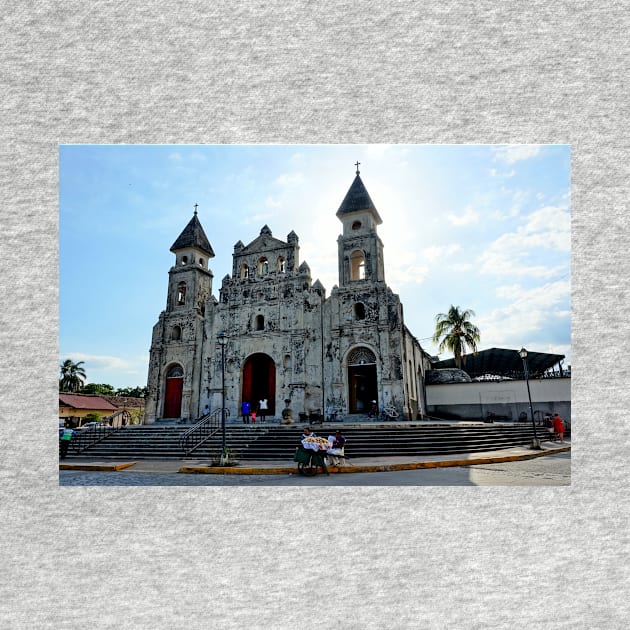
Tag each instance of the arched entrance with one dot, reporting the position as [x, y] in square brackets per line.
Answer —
[362, 381]
[259, 381]
[173, 392]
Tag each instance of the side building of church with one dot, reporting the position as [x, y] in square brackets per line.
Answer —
[285, 341]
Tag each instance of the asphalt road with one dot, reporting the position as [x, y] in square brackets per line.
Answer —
[552, 470]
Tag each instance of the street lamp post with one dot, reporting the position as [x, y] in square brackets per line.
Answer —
[222, 339]
[523, 354]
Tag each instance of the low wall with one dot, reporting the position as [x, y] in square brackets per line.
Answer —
[506, 399]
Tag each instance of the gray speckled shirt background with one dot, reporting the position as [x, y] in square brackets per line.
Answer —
[303, 72]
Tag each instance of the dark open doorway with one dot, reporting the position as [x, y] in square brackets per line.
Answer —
[363, 388]
[259, 381]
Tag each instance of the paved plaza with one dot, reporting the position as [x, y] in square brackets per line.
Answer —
[553, 469]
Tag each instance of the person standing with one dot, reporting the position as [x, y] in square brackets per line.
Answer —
[262, 409]
[65, 437]
[245, 411]
[558, 427]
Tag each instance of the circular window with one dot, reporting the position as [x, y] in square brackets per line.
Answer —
[356, 225]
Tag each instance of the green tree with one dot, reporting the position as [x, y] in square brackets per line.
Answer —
[454, 331]
[132, 392]
[98, 389]
[72, 376]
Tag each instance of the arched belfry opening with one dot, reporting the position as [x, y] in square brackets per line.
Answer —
[173, 392]
[362, 380]
[259, 381]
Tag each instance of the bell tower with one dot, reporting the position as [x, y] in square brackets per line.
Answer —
[190, 279]
[360, 248]
[176, 354]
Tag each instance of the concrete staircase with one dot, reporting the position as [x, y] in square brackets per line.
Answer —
[278, 442]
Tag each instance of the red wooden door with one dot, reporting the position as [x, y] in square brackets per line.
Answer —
[173, 397]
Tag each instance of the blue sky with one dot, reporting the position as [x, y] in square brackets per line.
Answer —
[482, 227]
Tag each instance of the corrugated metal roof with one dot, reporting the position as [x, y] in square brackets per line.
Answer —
[503, 362]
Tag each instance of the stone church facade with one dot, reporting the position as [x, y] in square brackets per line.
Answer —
[285, 340]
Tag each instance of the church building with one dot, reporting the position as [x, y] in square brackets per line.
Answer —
[284, 340]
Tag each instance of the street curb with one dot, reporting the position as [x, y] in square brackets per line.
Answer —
[281, 470]
[97, 467]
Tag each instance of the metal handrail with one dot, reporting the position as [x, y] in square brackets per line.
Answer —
[207, 426]
[88, 437]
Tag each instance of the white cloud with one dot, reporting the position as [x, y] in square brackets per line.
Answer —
[270, 202]
[460, 267]
[442, 252]
[553, 221]
[528, 316]
[377, 150]
[515, 153]
[522, 253]
[400, 275]
[175, 157]
[493, 172]
[468, 216]
[103, 363]
[290, 180]
[256, 218]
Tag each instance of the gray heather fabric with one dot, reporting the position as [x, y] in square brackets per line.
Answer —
[326, 72]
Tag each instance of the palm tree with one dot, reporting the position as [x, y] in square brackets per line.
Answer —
[72, 376]
[454, 331]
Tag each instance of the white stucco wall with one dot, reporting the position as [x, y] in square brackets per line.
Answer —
[542, 390]
[505, 398]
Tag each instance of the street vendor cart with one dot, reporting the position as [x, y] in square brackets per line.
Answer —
[310, 456]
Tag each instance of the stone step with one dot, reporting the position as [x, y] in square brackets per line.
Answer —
[279, 442]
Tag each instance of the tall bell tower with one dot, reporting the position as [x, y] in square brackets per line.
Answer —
[176, 354]
[190, 279]
[360, 248]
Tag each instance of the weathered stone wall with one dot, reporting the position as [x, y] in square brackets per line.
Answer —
[270, 306]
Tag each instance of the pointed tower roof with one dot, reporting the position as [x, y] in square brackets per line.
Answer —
[357, 198]
[193, 236]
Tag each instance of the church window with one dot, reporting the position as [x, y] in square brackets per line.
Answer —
[176, 333]
[359, 311]
[244, 272]
[357, 265]
[361, 356]
[260, 322]
[356, 225]
[175, 372]
[263, 266]
[287, 361]
[201, 261]
[282, 265]
[184, 260]
[181, 294]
